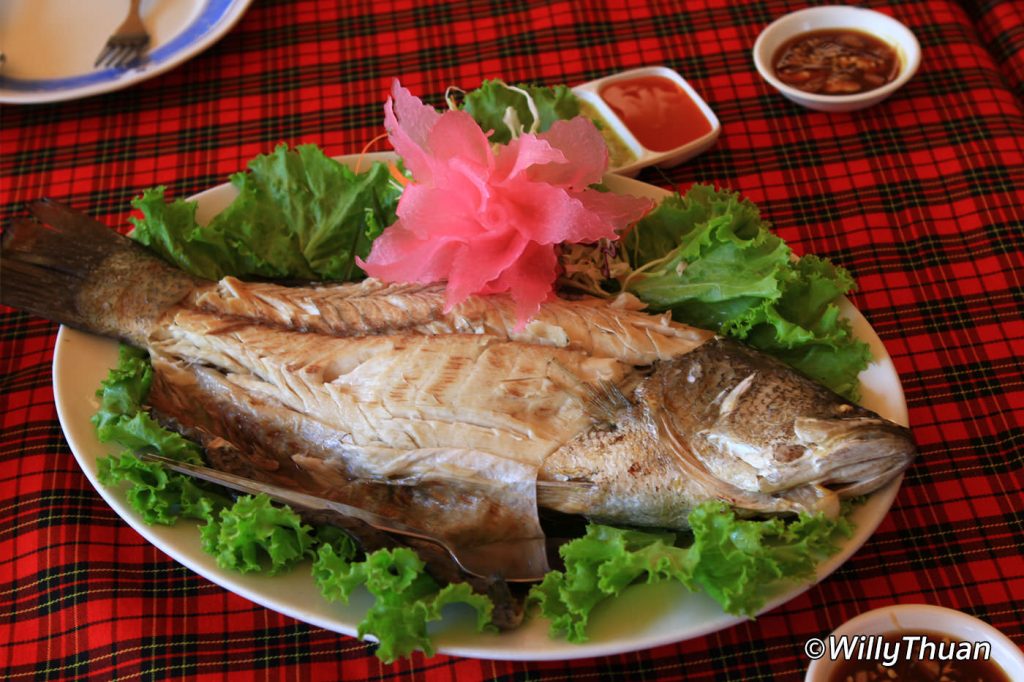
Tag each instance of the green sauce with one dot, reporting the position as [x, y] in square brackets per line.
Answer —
[619, 153]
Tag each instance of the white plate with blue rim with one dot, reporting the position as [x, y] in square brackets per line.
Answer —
[49, 46]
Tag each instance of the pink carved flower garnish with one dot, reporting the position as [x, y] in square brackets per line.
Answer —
[487, 219]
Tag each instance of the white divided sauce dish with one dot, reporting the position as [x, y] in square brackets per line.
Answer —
[590, 94]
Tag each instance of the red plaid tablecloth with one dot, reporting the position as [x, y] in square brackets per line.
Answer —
[921, 197]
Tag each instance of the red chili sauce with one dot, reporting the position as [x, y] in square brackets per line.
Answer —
[659, 113]
[944, 660]
[835, 62]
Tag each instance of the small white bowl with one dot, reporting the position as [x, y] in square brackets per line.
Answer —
[884, 27]
[590, 93]
[937, 619]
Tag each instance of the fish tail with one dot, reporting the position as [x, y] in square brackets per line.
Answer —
[63, 265]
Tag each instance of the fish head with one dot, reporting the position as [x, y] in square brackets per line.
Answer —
[852, 455]
[770, 438]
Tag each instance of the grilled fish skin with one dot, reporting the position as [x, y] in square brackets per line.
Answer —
[594, 409]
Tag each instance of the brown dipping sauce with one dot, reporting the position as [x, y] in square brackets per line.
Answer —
[835, 62]
[940, 663]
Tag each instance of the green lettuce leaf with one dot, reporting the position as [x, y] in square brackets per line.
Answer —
[257, 535]
[740, 563]
[488, 103]
[160, 496]
[803, 327]
[121, 418]
[600, 565]
[710, 259]
[406, 598]
[298, 215]
[126, 385]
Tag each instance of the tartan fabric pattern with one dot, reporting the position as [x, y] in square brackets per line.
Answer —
[921, 198]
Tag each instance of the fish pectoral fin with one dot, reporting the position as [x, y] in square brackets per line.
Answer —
[570, 497]
[602, 400]
[605, 402]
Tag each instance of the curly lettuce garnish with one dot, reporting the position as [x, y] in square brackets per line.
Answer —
[256, 535]
[740, 563]
[737, 562]
[121, 418]
[599, 566]
[160, 496]
[406, 598]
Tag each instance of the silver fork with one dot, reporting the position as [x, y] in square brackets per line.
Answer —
[125, 45]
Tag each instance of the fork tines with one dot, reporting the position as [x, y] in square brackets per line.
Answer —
[120, 54]
[126, 45]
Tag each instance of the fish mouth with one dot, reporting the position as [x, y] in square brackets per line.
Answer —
[850, 457]
[864, 467]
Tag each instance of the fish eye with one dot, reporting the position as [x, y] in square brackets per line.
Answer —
[789, 452]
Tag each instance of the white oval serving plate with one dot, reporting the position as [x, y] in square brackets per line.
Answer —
[645, 616]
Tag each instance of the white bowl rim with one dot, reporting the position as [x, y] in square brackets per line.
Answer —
[907, 42]
[960, 624]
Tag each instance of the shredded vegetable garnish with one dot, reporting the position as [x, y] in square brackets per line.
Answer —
[593, 269]
[366, 150]
[397, 174]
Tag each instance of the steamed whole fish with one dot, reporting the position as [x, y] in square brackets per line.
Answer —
[370, 393]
